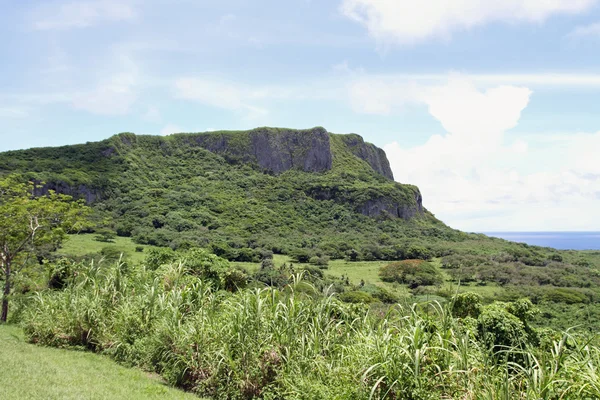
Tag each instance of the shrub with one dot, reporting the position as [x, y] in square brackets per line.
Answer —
[499, 329]
[467, 305]
[301, 256]
[411, 272]
[105, 235]
[567, 296]
[356, 297]
[313, 273]
[157, 257]
[320, 261]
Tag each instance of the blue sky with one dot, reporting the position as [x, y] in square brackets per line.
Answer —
[491, 108]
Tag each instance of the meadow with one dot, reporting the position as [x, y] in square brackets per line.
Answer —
[35, 372]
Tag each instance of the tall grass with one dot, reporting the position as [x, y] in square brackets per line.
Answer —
[265, 343]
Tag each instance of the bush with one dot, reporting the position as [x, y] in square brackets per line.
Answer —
[500, 329]
[411, 272]
[105, 235]
[301, 256]
[139, 249]
[567, 296]
[320, 261]
[157, 257]
[356, 297]
[312, 273]
[467, 305]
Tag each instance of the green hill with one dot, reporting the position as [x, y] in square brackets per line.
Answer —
[266, 189]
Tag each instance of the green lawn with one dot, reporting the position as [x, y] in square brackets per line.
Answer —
[80, 245]
[32, 372]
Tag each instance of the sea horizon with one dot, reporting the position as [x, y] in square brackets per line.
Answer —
[561, 240]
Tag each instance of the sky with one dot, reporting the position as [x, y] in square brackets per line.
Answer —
[491, 107]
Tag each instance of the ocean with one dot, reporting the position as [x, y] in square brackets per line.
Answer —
[558, 240]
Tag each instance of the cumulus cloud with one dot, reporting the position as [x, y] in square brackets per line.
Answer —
[407, 21]
[473, 174]
[81, 14]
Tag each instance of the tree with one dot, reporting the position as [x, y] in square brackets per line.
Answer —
[28, 224]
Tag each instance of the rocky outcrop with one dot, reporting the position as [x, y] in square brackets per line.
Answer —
[389, 207]
[403, 202]
[372, 154]
[77, 191]
[273, 150]
[278, 150]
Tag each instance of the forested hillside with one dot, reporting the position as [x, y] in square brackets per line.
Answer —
[269, 189]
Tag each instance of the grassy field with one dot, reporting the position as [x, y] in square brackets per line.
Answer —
[367, 271]
[84, 244]
[33, 372]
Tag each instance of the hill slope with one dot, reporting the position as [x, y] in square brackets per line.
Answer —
[32, 372]
[268, 188]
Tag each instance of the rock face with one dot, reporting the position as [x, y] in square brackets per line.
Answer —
[278, 150]
[90, 195]
[274, 150]
[372, 154]
[387, 206]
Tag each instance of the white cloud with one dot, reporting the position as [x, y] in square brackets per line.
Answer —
[408, 21]
[81, 14]
[473, 175]
[586, 30]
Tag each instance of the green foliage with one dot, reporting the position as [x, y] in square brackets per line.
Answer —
[499, 329]
[157, 257]
[565, 295]
[105, 235]
[170, 192]
[295, 344]
[467, 305]
[31, 225]
[411, 272]
[356, 297]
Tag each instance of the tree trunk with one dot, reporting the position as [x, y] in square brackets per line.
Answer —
[4, 315]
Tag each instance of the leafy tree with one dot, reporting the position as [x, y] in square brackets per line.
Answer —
[411, 272]
[28, 224]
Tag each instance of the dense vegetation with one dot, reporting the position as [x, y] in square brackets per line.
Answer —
[164, 191]
[300, 342]
[236, 282]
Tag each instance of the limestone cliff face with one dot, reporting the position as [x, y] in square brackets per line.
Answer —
[81, 191]
[372, 154]
[390, 207]
[273, 150]
[398, 201]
